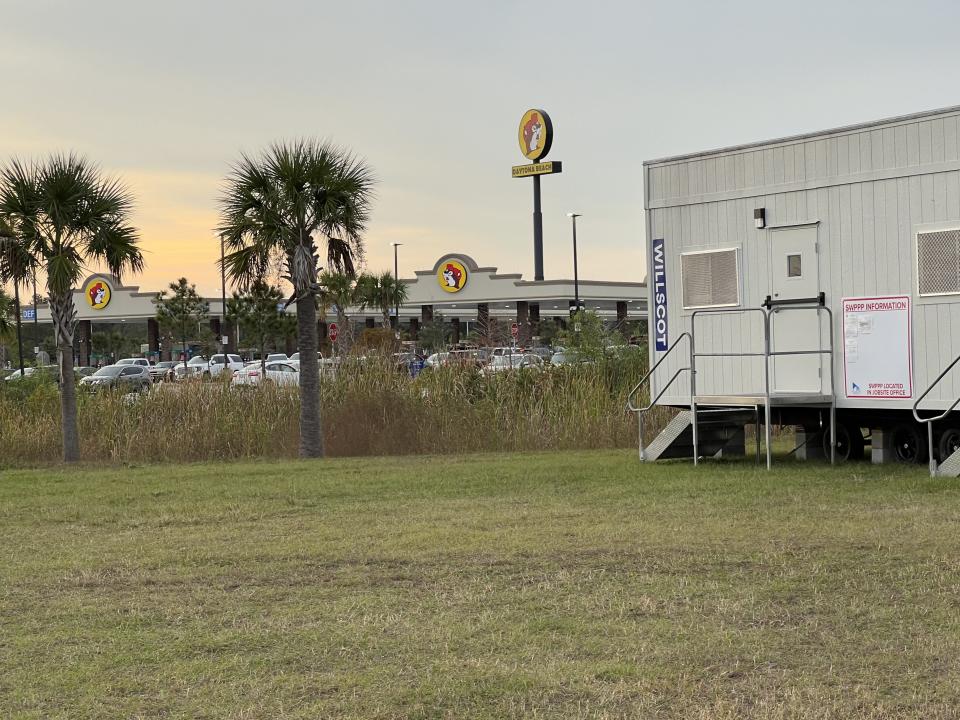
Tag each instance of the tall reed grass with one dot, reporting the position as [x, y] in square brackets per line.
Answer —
[368, 409]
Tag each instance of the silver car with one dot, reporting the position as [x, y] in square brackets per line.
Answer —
[126, 378]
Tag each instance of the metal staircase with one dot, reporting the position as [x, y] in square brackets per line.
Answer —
[950, 467]
[714, 421]
[717, 429]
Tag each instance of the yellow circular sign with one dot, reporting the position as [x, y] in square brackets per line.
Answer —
[452, 275]
[98, 293]
[535, 134]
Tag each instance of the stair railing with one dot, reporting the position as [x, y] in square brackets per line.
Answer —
[694, 354]
[931, 420]
[634, 394]
[819, 305]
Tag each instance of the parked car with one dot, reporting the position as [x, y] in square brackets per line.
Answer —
[217, 363]
[127, 378]
[83, 371]
[517, 361]
[569, 357]
[195, 367]
[143, 362]
[466, 358]
[277, 357]
[281, 373]
[435, 360]
[51, 371]
[296, 357]
[163, 370]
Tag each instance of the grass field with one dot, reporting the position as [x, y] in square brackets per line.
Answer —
[548, 585]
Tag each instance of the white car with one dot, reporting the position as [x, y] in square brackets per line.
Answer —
[277, 357]
[281, 373]
[196, 366]
[216, 364]
[142, 362]
[518, 361]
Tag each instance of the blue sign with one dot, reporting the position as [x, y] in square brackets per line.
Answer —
[416, 367]
[659, 297]
[28, 314]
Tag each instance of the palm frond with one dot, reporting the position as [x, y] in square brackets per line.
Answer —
[288, 200]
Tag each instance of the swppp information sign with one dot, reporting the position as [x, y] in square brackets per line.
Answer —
[877, 348]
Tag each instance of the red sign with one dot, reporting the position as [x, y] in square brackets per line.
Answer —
[333, 331]
[515, 330]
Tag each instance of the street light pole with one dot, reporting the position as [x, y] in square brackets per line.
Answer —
[16, 302]
[36, 327]
[576, 277]
[396, 278]
[223, 305]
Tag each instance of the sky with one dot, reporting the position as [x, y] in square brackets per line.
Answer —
[166, 95]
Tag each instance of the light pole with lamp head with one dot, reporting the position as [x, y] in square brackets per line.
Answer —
[576, 277]
[396, 279]
[223, 304]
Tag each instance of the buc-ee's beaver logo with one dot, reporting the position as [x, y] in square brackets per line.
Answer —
[535, 134]
[97, 293]
[452, 275]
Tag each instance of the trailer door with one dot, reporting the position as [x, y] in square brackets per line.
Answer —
[794, 275]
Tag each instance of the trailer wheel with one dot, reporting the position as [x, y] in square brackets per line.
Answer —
[909, 445]
[949, 442]
[849, 443]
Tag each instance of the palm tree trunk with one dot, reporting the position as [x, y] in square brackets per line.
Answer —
[63, 315]
[311, 428]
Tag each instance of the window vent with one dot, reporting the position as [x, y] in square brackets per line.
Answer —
[710, 279]
[938, 262]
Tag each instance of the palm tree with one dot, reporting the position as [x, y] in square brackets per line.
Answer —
[64, 213]
[282, 205]
[6, 311]
[383, 292]
[15, 265]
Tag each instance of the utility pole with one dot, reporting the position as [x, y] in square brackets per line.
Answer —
[223, 305]
[396, 278]
[16, 302]
[36, 327]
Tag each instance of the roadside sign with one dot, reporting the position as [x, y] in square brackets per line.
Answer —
[515, 330]
[333, 331]
[28, 314]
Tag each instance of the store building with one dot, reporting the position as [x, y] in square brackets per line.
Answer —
[456, 290]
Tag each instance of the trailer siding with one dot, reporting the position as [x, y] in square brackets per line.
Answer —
[868, 189]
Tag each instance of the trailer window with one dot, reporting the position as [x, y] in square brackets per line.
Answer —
[938, 262]
[710, 279]
[794, 266]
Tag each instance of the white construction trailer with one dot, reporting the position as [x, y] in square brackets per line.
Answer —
[804, 280]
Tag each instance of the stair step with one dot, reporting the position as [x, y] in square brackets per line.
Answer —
[950, 467]
[713, 433]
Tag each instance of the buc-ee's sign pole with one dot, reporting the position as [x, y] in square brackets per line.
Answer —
[536, 137]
